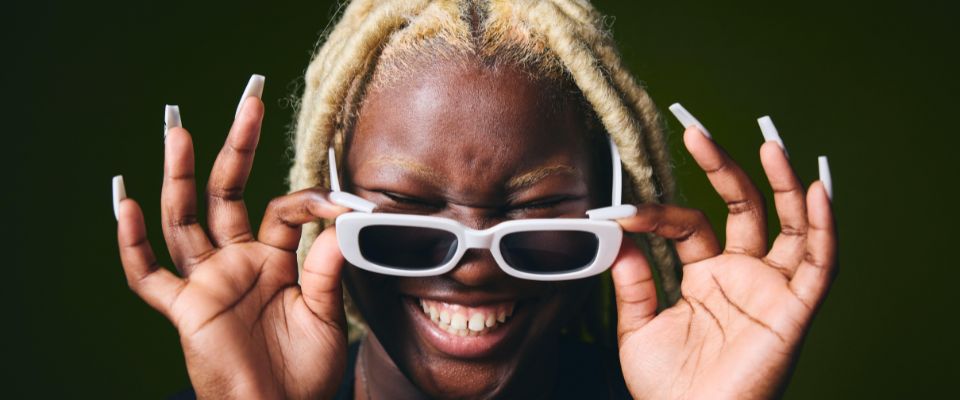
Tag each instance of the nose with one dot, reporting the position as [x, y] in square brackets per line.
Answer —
[477, 268]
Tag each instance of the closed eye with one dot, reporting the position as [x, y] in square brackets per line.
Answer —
[408, 201]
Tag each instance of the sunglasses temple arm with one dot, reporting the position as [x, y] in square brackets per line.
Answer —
[344, 199]
[617, 210]
[334, 176]
[617, 195]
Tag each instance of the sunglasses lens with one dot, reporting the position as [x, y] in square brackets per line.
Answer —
[407, 247]
[549, 251]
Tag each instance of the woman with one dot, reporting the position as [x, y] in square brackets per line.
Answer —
[479, 112]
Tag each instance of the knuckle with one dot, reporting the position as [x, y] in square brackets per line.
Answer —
[182, 220]
[720, 167]
[279, 209]
[275, 205]
[740, 206]
[239, 150]
[792, 190]
[182, 176]
[747, 205]
[791, 230]
[686, 232]
[233, 193]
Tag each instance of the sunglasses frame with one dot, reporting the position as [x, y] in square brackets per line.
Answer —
[608, 235]
[600, 222]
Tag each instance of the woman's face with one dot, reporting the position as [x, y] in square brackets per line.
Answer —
[481, 147]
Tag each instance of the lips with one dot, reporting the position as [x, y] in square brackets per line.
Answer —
[466, 331]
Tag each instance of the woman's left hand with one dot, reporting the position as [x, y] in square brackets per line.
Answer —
[744, 309]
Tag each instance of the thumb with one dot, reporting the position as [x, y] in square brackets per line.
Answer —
[320, 280]
[636, 293]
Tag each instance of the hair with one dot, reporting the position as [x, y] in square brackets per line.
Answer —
[376, 42]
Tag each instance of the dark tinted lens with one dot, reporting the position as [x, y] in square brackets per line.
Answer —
[407, 247]
[549, 251]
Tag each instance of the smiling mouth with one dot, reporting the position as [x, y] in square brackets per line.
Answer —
[462, 320]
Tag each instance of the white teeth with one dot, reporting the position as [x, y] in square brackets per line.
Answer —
[476, 322]
[459, 321]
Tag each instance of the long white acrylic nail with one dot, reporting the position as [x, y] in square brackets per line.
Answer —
[352, 201]
[770, 133]
[119, 193]
[687, 119]
[825, 176]
[171, 118]
[254, 88]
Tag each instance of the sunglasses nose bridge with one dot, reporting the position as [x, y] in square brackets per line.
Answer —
[474, 239]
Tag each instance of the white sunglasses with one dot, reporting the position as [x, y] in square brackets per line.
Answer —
[543, 249]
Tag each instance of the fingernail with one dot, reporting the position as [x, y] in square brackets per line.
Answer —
[613, 212]
[352, 201]
[825, 176]
[770, 133]
[687, 119]
[171, 119]
[119, 193]
[254, 88]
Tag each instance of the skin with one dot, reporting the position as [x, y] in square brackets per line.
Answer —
[249, 330]
[528, 158]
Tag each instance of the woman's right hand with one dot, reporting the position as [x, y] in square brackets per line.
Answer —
[247, 328]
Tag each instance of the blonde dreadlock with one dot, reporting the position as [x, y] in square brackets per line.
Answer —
[376, 41]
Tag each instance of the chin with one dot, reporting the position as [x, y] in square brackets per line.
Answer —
[463, 342]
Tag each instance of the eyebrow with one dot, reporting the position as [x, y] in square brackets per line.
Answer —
[418, 169]
[529, 178]
[521, 181]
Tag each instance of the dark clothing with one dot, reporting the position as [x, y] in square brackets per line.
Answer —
[586, 372]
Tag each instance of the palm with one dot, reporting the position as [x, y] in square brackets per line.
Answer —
[743, 311]
[250, 325]
[721, 333]
[243, 306]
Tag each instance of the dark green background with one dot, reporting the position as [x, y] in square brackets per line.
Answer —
[870, 85]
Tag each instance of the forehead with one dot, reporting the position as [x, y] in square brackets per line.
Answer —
[495, 122]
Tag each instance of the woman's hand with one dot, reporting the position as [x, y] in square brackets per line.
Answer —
[247, 328]
[744, 308]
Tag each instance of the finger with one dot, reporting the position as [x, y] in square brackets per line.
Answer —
[746, 219]
[688, 228]
[226, 212]
[185, 238]
[788, 248]
[789, 198]
[320, 280]
[636, 294]
[285, 215]
[819, 267]
[157, 286]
